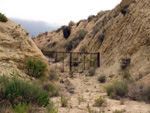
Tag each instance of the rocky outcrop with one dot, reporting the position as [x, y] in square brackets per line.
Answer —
[15, 48]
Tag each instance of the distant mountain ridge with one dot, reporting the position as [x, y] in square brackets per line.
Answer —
[35, 27]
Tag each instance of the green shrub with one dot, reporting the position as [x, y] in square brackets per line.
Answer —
[118, 88]
[99, 101]
[51, 108]
[89, 109]
[92, 61]
[118, 111]
[3, 18]
[36, 68]
[102, 79]
[60, 57]
[111, 76]
[69, 45]
[71, 74]
[52, 44]
[83, 49]
[16, 90]
[126, 74]
[81, 34]
[64, 101]
[92, 71]
[96, 28]
[91, 17]
[22, 108]
[80, 99]
[53, 75]
[51, 89]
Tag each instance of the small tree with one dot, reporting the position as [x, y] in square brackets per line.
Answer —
[3, 18]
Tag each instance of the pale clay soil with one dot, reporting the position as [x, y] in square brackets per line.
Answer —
[89, 89]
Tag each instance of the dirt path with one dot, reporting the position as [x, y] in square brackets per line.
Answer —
[86, 90]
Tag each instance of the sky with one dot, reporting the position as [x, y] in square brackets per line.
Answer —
[54, 11]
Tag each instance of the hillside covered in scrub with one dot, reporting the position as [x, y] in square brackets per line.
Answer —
[21, 65]
[122, 36]
[119, 34]
[30, 83]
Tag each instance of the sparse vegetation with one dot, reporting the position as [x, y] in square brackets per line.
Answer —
[117, 89]
[83, 49]
[89, 109]
[36, 68]
[73, 43]
[126, 74]
[17, 90]
[125, 62]
[102, 78]
[51, 108]
[75, 61]
[99, 101]
[118, 111]
[91, 17]
[64, 101]
[111, 76]
[96, 28]
[101, 13]
[86, 90]
[51, 90]
[52, 44]
[92, 71]
[80, 99]
[71, 74]
[92, 61]
[3, 18]
[53, 75]
[22, 108]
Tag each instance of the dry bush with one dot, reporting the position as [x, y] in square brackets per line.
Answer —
[117, 89]
[102, 78]
[71, 23]
[125, 62]
[53, 75]
[91, 17]
[139, 92]
[98, 102]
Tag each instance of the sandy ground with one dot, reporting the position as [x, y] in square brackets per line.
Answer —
[86, 90]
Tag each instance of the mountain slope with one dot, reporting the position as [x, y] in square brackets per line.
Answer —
[120, 34]
[15, 48]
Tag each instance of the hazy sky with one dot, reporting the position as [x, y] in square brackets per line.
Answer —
[54, 11]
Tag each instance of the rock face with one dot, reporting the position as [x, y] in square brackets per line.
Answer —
[15, 48]
[122, 33]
